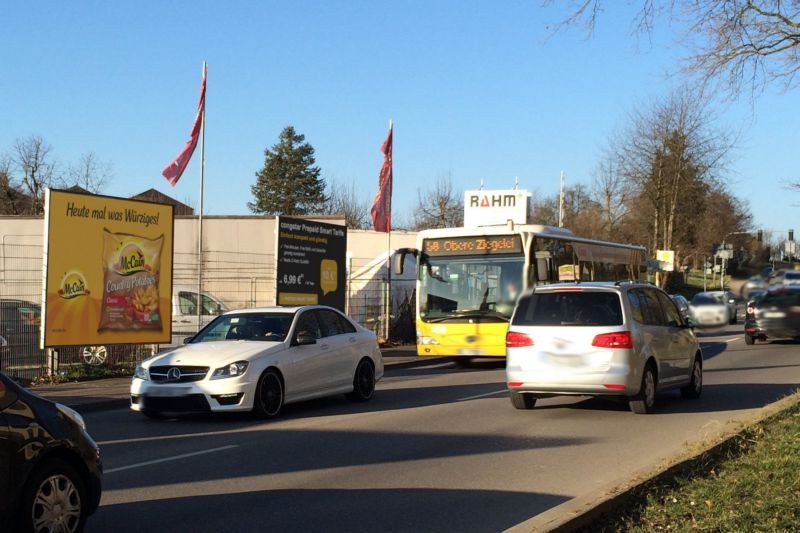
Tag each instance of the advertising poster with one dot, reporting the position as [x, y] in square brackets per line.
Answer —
[107, 271]
[311, 263]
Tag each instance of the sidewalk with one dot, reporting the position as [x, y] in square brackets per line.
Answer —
[114, 393]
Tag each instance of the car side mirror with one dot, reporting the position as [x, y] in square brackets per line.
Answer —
[690, 323]
[304, 338]
[187, 340]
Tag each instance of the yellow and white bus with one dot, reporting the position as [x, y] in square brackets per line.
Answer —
[468, 279]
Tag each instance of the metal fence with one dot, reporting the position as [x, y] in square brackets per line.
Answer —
[240, 280]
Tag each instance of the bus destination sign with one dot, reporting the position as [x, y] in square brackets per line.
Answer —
[473, 245]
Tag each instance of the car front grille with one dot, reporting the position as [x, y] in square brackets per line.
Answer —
[161, 374]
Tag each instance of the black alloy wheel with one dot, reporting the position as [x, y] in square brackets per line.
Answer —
[269, 395]
[363, 382]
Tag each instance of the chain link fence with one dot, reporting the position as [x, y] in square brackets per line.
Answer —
[234, 280]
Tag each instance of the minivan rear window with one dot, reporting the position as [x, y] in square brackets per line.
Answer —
[569, 309]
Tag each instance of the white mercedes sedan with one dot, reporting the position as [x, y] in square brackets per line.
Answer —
[258, 360]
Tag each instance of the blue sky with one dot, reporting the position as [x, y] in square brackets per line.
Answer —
[477, 90]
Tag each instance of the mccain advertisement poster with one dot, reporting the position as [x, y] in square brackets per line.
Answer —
[108, 270]
[311, 263]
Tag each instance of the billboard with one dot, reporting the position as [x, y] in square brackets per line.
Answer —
[310, 263]
[667, 259]
[107, 270]
[495, 207]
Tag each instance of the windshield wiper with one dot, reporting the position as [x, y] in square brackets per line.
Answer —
[471, 314]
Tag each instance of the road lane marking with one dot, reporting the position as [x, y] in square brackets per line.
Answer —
[166, 459]
[482, 395]
[733, 339]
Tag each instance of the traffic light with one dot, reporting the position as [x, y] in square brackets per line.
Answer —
[760, 236]
[791, 234]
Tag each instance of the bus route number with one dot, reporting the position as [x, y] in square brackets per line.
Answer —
[473, 245]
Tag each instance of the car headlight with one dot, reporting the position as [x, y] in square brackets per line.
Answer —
[141, 373]
[428, 340]
[230, 371]
[72, 414]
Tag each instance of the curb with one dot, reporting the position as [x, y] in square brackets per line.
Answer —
[583, 511]
[420, 361]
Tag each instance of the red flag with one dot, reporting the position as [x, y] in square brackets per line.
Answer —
[174, 170]
[382, 204]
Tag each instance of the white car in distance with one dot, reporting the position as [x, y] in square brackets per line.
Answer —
[713, 308]
[259, 360]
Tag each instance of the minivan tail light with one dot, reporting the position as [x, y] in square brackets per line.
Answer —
[619, 339]
[515, 339]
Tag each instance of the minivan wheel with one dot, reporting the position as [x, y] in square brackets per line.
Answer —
[54, 499]
[695, 386]
[643, 403]
[522, 401]
[749, 339]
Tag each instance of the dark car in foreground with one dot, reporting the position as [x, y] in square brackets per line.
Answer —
[774, 315]
[50, 468]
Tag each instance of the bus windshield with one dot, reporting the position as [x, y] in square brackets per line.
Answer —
[466, 289]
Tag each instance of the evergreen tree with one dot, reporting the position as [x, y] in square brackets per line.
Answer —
[289, 183]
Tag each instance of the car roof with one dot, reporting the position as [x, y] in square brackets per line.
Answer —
[602, 285]
[277, 309]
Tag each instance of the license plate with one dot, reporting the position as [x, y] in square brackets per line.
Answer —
[471, 351]
[565, 360]
[169, 392]
[774, 314]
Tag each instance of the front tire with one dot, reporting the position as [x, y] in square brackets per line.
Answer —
[643, 403]
[269, 395]
[522, 401]
[695, 386]
[54, 499]
[363, 382]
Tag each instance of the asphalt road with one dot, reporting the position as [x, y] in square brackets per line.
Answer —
[438, 449]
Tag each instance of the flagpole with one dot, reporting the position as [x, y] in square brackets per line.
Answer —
[389, 250]
[200, 218]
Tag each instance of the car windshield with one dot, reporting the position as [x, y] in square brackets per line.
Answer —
[707, 298]
[569, 309]
[792, 276]
[265, 327]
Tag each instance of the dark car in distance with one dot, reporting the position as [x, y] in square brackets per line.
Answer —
[50, 468]
[775, 315]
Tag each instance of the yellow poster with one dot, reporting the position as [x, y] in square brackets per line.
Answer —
[108, 271]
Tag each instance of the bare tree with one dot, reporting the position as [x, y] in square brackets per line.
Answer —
[90, 173]
[31, 157]
[671, 157]
[737, 43]
[344, 200]
[440, 207]
[612, 195]
[10, 196]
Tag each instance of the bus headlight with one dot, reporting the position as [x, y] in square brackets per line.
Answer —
[427, 340]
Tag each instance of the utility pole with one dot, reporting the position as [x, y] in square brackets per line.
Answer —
[561, 203]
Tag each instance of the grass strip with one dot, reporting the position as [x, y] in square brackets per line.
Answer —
[751, 483]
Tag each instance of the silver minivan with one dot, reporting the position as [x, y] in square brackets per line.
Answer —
[623, 339]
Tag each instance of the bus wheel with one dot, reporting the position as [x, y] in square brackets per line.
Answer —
[462, 362]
